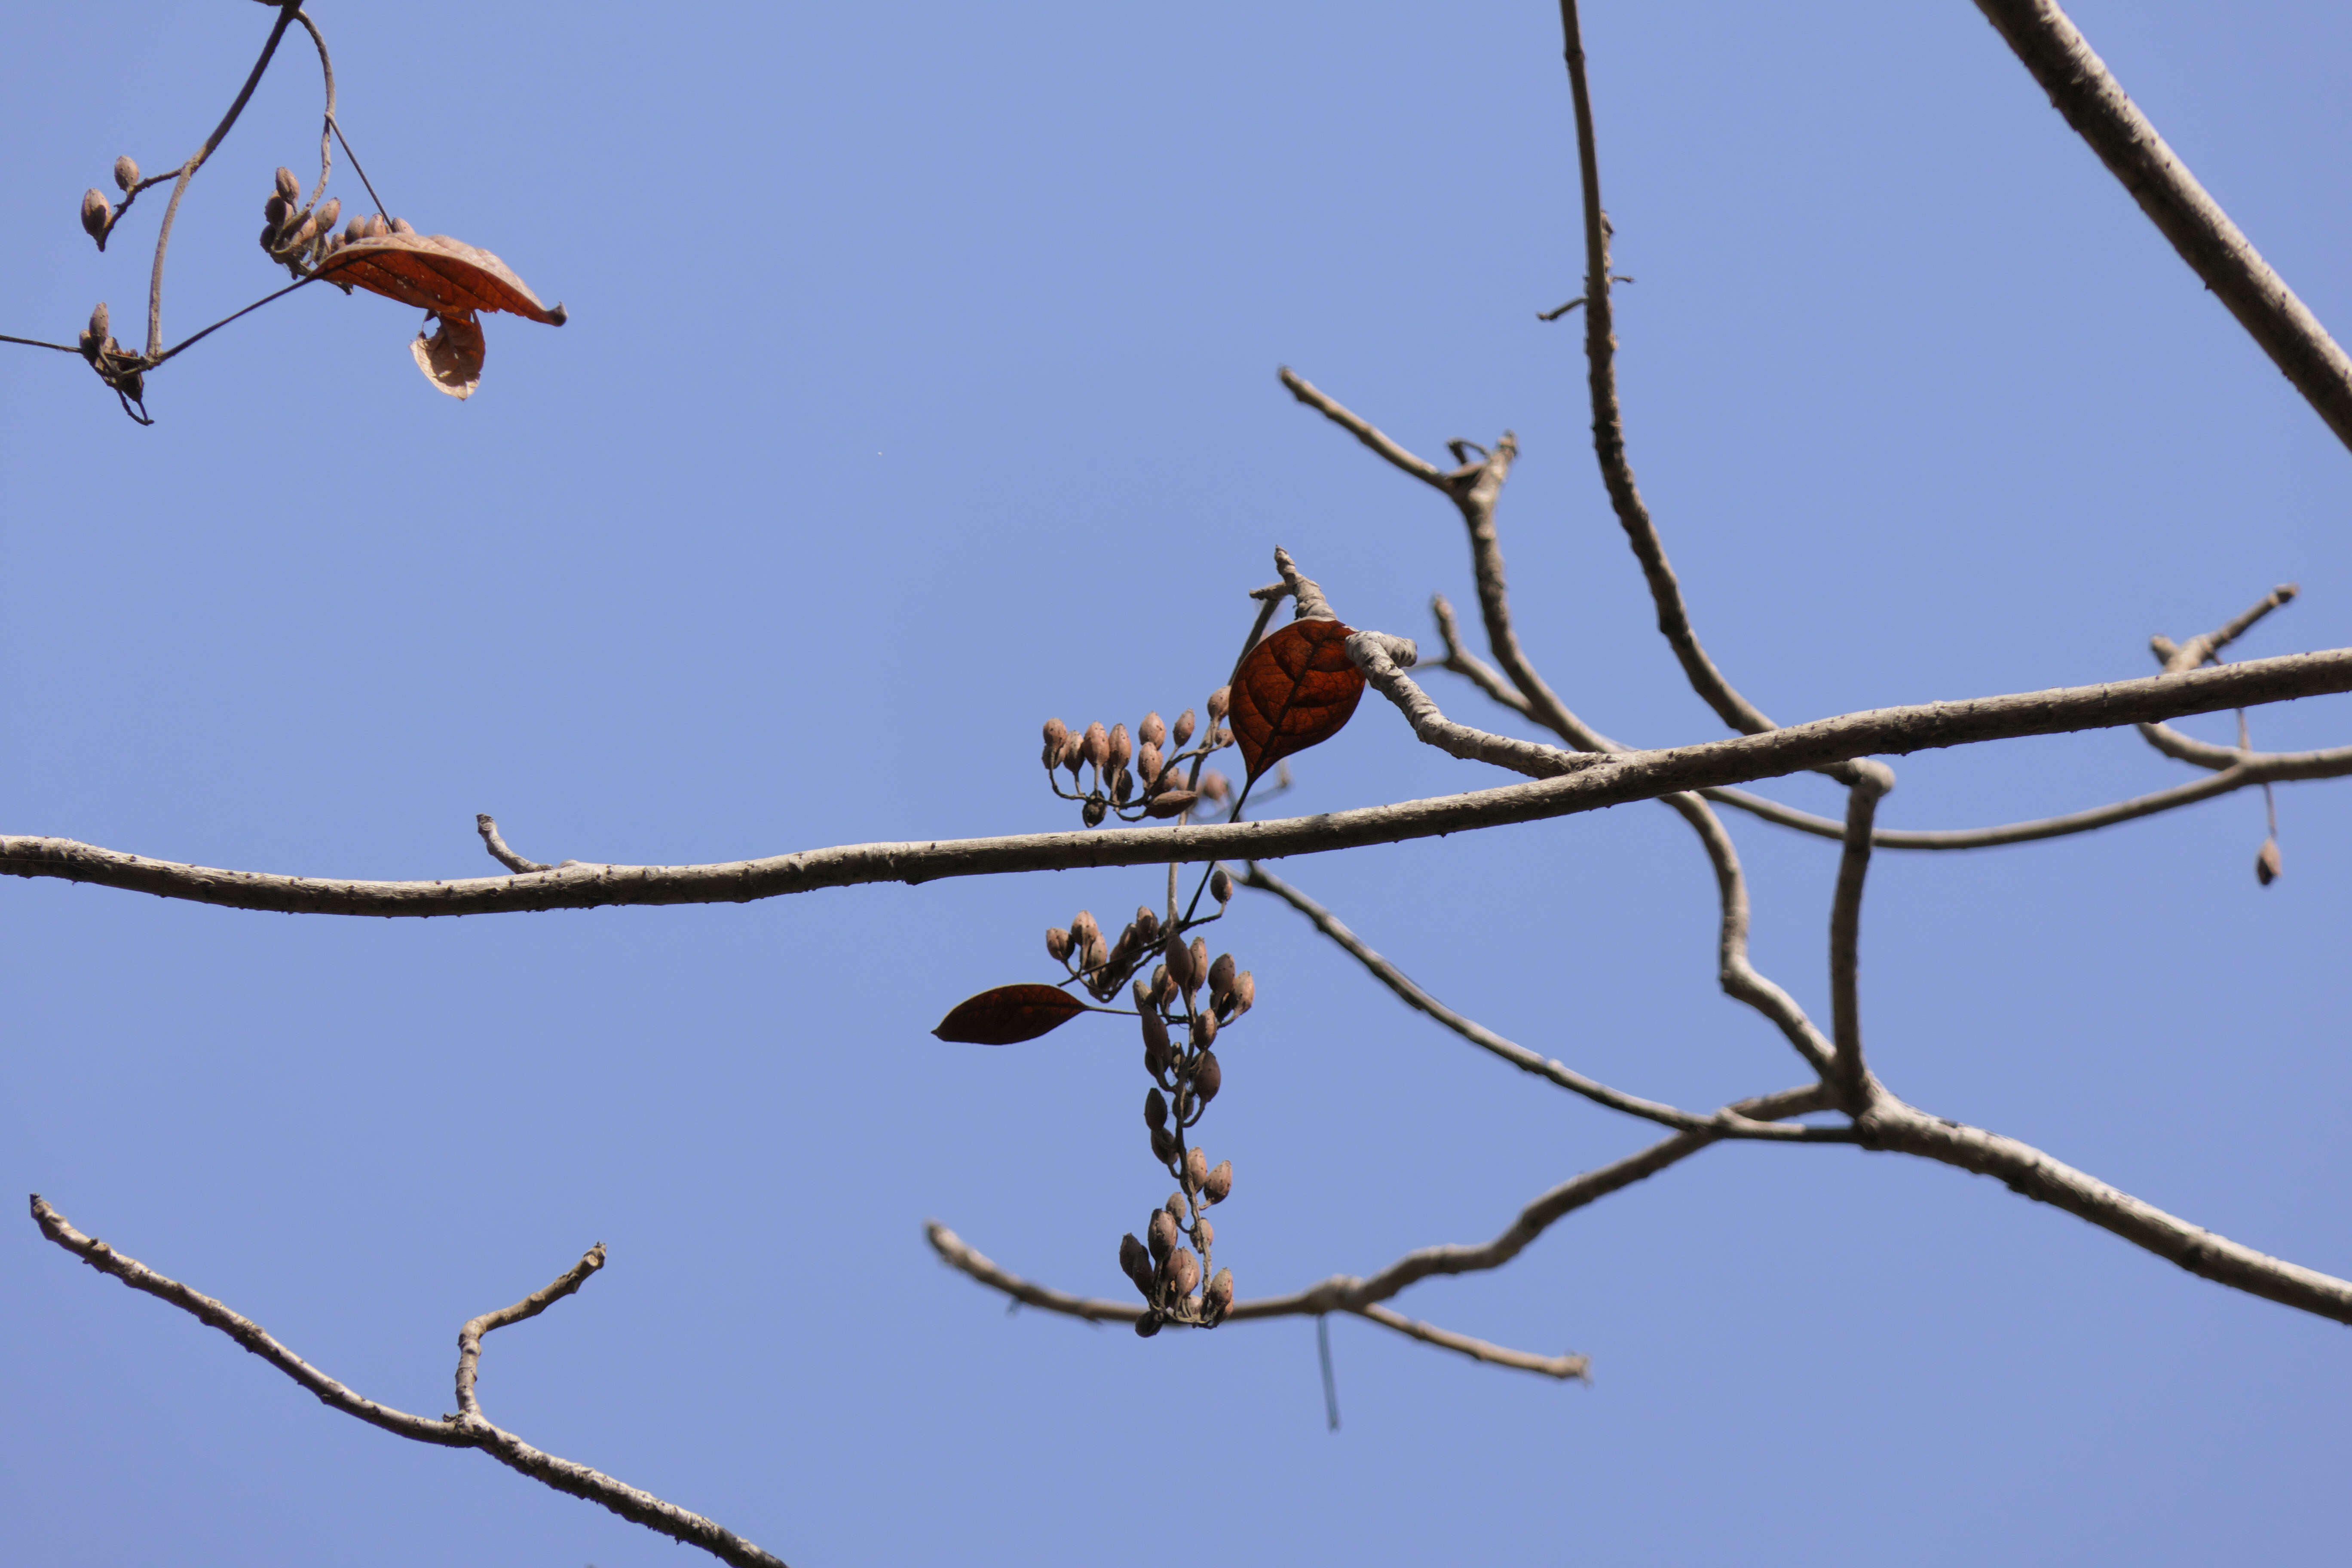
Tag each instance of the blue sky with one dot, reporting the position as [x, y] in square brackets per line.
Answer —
[920, 383]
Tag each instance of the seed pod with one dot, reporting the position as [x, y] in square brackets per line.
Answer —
[276, 210]
[1147, 923]
[1221, 886]
[378, 227]
[1215, 785]
[1147, 1325]
[1097, 952]
[1204, 1233]
[1094, 745]
[303, 231]
[1196, 963]
[355, 230]
[1184, 726]
[1094, 811]
[1151, 731]
[329, 211]
[1122, 750]
[288, 185]
[1083, 928]
[1207, 1075]
[1135, 1263]
[1122, 785]
[1167, 983]
[1155, 1110]
[126, 172]
[1220, 1185]
[1184, 1270]
[1196, 1165]
[1057, 945]
[1219, 1298]
[1148, 765]
[1143, 995]
[1180, 961]
[1221, 738]
[1221, 702]
[1172, 803]
[1070, 755]
[1205, 1030]
[97, 212]
[1163, 1145]
[99, 328]
[1055, 733]
[1245, 993]
[2266, 863]
[1221, 977]
[402, 225]
[1160, 1235]
[1175, 1206]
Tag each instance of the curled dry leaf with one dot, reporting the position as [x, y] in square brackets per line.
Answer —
[1294, 690]
[1009, 1015]
[451, 358]
[447, 278]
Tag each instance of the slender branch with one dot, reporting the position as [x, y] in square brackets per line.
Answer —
[1890, 1125]
[327, 121]
[1872, 781]
[1362, 1297]
[1601, 782]
[39, 343]
[2082, 89]
[488, 826]
[2175, 658]
[1609, 419]
[286, 13]
[266, 298]
[466, 1430]
[1362, 429]
[1726, 1122]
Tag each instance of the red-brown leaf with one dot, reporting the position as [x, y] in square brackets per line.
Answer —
[1009, 1015]
[1293, 690]
[435, 273]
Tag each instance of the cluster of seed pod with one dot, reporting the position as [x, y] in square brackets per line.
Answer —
[1102, 967]
[301, 238]
[97, 214]
[122, 370]
[1145, 775]
[1185, 1076]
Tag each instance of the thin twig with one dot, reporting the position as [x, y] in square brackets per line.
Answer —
[225, 321]
[2082, 89]
[327, 121]
[467, 1429]
[1872, 780]
[40, 344]
[488, 826]
[1518, 1056]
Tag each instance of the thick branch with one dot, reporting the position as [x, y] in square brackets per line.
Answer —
[466, 1430]
[1891, 1124]
[1597, 783]
[2081, 87]
[1727, 1122]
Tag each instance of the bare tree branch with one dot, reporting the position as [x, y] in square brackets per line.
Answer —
[467, 1429]
[488, 826]
[1872, 780]
[1727, 1122]
[2177, 656]
[1602, 781]
[2081, 87]
[1891, 1124]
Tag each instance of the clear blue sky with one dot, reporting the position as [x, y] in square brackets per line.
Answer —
[921, 383]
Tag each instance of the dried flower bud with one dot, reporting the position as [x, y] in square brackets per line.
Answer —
[1057, 945]
[1221, 976]
[1163, 1145]
[1221, 738]
[1216, 786]
[1151, 731]
[1172, 803]
[1175, 1206]
[1147, 765]
[1196, 1165]
[1094, 745]
[1207, 1075]
[1219, 1298]
[1196, 963]
[402, 225]
[1098, 951]
[1180, 960]
[355, 230]
[1083, 928]
[1204, 1030]
[329, 211]
[1245, 993]
[1184, 726]
[1155, 1110]
[1220, 1185]
[1147, 923]
[2266, 863]
[1071, 758]
[1055, 733]
[1135, 1263]
[1221, 886]
[101, 328]
[1147, 1325]
[1219, 703]
[378, 227]
[96, 212]
[288, 185]
[1122, 785]
[1122, 750]
[126, 172]
[1143, 995]
[1184, 1270]
[1160, 1235]
[1094, 811]
[1204, 1233]
[277, 209]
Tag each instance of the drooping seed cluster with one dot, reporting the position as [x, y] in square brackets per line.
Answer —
[1138, 781]
[299, 237]
[1181, 1025]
